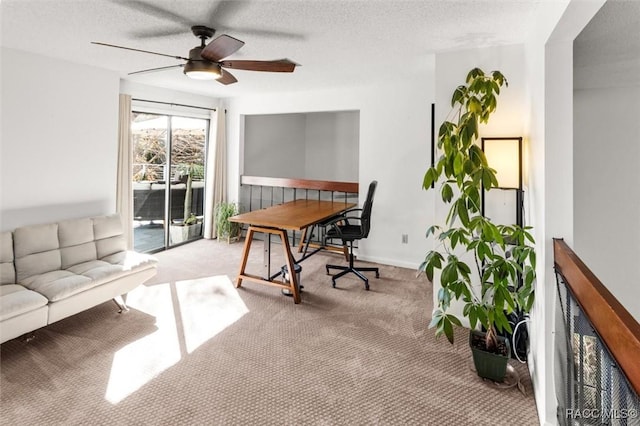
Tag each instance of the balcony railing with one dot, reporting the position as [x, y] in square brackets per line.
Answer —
[600, 343]
[257, 192]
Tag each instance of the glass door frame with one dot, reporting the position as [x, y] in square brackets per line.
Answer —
[168, 166]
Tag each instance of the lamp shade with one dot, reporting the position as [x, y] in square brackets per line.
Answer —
[504, 155]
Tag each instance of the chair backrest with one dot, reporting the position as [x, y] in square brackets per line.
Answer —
[365, 218]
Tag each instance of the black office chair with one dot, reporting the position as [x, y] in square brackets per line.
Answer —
[343, 228]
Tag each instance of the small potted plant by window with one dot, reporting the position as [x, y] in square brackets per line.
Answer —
[489, 267]
[225, 229]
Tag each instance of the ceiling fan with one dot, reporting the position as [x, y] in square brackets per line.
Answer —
[205, 62]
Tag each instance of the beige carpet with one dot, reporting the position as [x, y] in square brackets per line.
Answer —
[194, 350]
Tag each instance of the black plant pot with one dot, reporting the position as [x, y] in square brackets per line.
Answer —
[489, 365]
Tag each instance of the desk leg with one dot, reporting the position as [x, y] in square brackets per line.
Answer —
[245, 255]
[292, 285]
[266, 256]
[303, 238]
[293, 277]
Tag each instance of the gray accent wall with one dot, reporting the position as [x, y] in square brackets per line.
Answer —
[315, 145]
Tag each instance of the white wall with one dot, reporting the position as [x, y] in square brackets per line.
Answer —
[59, 139]
[549, 69]
[394, 149]
[174, 102]
[58, 152]
[452, 69]
[607, 188]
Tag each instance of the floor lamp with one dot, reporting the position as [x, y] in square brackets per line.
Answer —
[505, 156]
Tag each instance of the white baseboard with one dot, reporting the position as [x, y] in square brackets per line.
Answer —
[390, 262]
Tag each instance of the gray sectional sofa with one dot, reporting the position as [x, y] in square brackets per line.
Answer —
[52, 271]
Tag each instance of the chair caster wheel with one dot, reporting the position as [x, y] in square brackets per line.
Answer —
[334, 284]
[366, 287]
[377, 275]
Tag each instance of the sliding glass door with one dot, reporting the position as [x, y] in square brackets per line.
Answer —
[168, 179]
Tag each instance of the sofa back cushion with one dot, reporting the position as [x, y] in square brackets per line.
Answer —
[77, 243]
[7, 270]
[109, 235]
[36, 250]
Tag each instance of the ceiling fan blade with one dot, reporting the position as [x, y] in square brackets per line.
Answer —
[157, 33]
[256, 32]
[139, 50]
[221, 47]
[281, 65]
[153, 10]
[156, 69]
[225, 10]
[227, 78]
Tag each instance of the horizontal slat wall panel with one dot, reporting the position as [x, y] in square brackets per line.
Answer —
[322, 185]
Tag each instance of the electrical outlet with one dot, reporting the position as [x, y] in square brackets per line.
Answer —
[405, 238]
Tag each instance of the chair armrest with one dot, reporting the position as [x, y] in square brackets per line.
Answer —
[342, 216]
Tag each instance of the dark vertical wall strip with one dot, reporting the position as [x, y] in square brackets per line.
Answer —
[433, 139]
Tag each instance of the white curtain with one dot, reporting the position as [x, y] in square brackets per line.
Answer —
[124, 190]
[216, 170]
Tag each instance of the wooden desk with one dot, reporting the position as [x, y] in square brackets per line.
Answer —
[277, 220]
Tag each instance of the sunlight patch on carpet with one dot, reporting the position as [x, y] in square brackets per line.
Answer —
[208, 306]
[137, 363]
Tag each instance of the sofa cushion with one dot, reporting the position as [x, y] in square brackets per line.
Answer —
[16, 300]
[76, 255]
[98, 271]
[109, 235]
[35, 239]
[7, 270]
[76, 242]
[75, 232]
[57, 285]
[36, 264]
[36, 250]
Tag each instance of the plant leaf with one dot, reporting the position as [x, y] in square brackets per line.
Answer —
[458, 163]
[437, 315]
[429, 178]
[463, 214]
[448, 329]
[474, 105]
[458, 95]
[447, 193]
[432, 230]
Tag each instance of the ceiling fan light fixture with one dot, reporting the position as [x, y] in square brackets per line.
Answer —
[206, 61]
[203, 70]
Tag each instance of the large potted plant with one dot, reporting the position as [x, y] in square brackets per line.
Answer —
[489, 268]
[190, 226]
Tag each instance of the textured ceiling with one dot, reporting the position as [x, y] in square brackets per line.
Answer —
[607, 52]
[337, 42]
